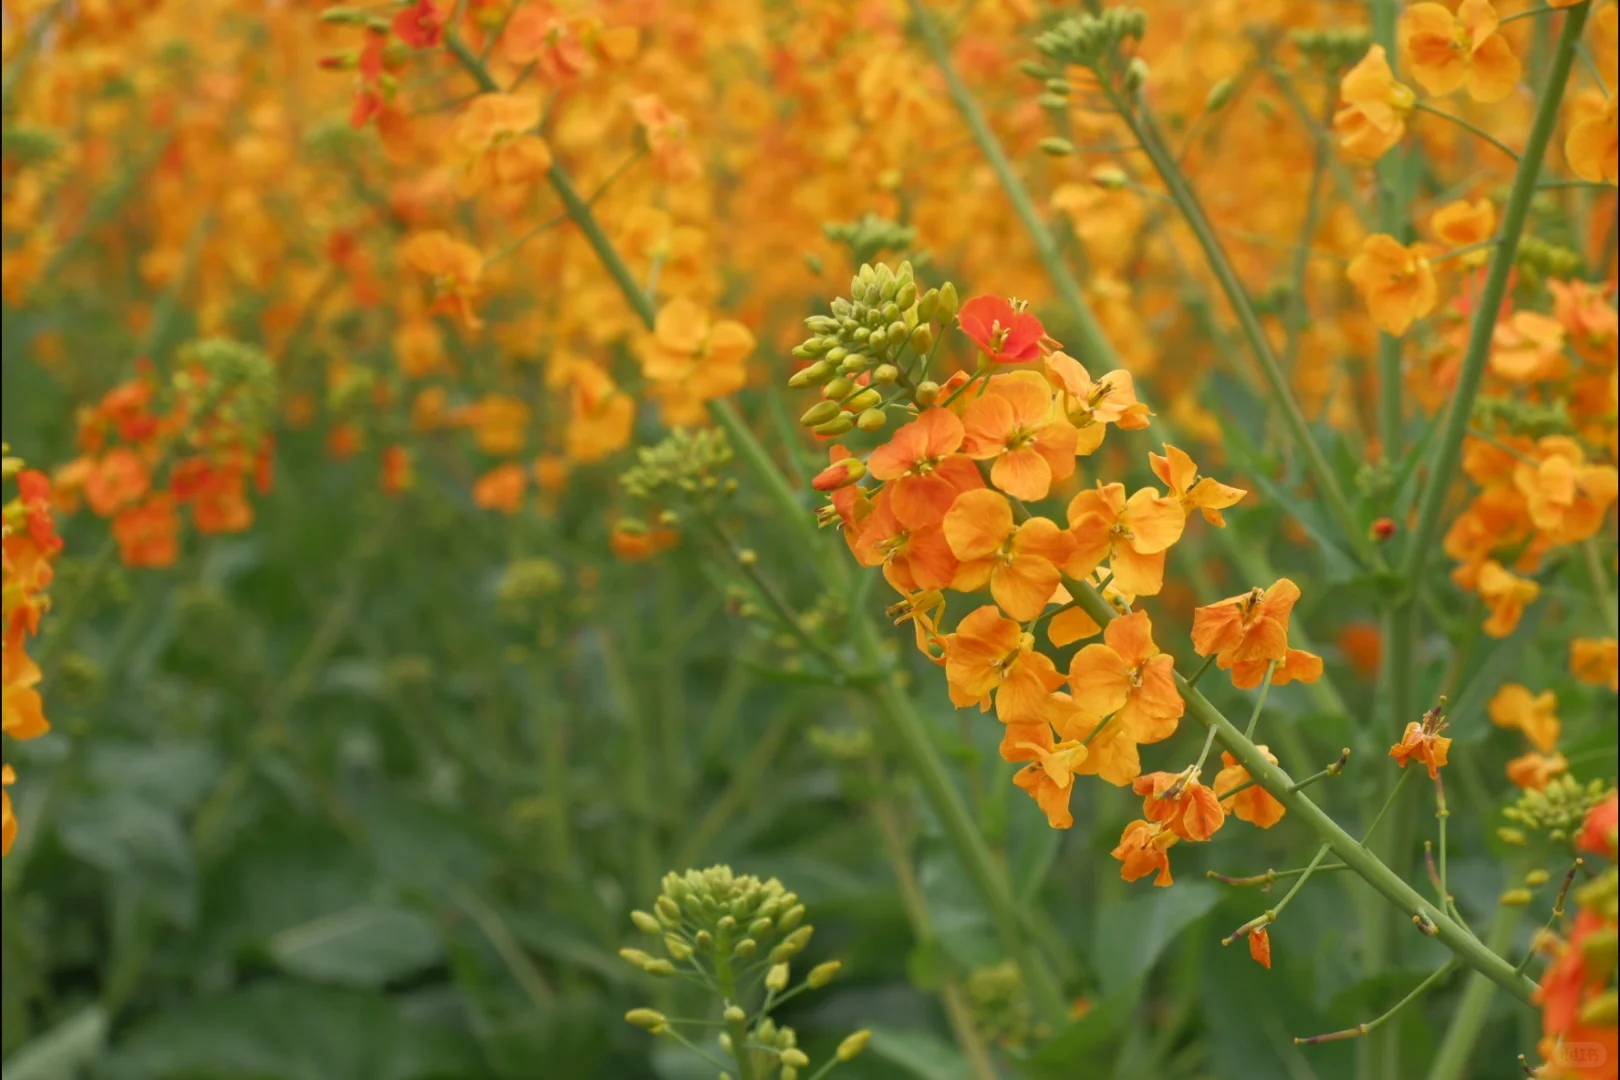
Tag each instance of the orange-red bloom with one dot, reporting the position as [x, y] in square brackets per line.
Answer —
[1005, 334]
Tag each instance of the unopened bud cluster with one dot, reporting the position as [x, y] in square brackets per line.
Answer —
[1095, 41]
[723, 931]
[1538, 260]
[1002, 1008]
[870, 236]
[1558, 809]
[1523, 417]
[687, 462]
[1333, 48]
[238, 381]
[879, 337]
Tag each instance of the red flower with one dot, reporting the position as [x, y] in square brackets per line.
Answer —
[421, 26]
[1002, 332]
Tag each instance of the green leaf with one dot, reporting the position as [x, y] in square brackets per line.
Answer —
[1093, 1040]
[1130, 936]
[923, 1055]
[61, 1052]
[280, 1031]
[369, 945]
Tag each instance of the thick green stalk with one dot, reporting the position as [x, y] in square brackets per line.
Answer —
[1175, 182]
[1448, 450]
[908, 727]
[1464, 945]
[1469, 1020]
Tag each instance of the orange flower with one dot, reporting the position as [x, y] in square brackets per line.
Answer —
[1112, 753]
[540, 35]
[118, 480]
[1049, 778]
[1514, 706]
[1130, 677]
[8, 820]
[22, 710]
[496, 145]
[1596, 661]
[600, 415]
[1592, 145]
[1260, 947]
[454, 269]
[1395, 281]
[922, 468]
[1424, 742]
[501, 488]
[1463, 50]
[1528, 347]
[1246, 629]
[1463, 223]
[1020, 564]
[1533, 771]
[1013, 423]
[149, 534]
[693, 360]
[1507, 595]
[634, 542]
[1004, 332]
[1092, 406]
[1132, 535]
[1567, 498]
[1181, 803]
[1297, 665]
[990, 653]
[500, 424]
[1179, 472]
[912, 558]
[1375, 107]
[1254, 803]
[1143, 849]
[667, 138]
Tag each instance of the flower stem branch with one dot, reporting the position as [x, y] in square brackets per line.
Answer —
[1372, 1025]
[1468, 126]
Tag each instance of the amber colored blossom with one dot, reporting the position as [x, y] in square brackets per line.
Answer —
[22, 711]
[1248, 628]
[495, 144]
[1015, 425]
[453, 268]
[1600, 832]
[398, 470]
[1592, 143]
[1092, 405]
[501, 488]
[418, 348]
[1566, 497]
[1049, 776]
[8, 819]
[1463, 50]
[912, 557]
[1127, 676]
[148, 535]
[667, 137]
[1424, 743]
[1395, 281]
[1260, 947]
[1296, 665]
[1253, 803]
[1183, 804]
[1374, 109]
[634, 543]
[922, 468]
[1536, 715]
[601, 416]
[538, 34]
[1533, 771]
[1143, 849]
[1004, 333]
[1596, 661]
[1362, 643]
[1528, 347]
[1583, 308]
[694, 359]
[118, 480]
[990, 653]
[1463, 224]
[1179, 472]
[1112, 755]
[1019, 562]
[1580, 1050]
[1132, 535]
[1506, 595]
[419, 25]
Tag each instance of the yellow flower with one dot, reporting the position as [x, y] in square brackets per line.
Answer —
[1463, 50]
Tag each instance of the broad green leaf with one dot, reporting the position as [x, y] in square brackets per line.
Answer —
[920, 1053]
[61, 1052]
[1082, 1048]
[1131, 935]
[369, 945]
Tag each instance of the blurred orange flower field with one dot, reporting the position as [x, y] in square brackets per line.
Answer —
[676, 539]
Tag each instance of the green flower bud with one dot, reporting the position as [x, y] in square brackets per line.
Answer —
[759, 928]
[851, 1048]
[820, 413]
[795, 1058]
[864, 400]
[927, 392]
[1516, 898]
[645, 922]
[871, 420]
[734, 1014]
[891, 310]
[885, 374]
[838, 389]
[635, 958]
[1536, 877]
[928, 305]
[836, 355]
[906, 296]
[948, 302]
[745, 948]
[669, 912]
[792, 945]
[776, 979]
[836, 426]
[813, 375]
[1219, 95]
[822, 974]
[648, 1020]
[662, 969]
[678, 949]
[853, 364]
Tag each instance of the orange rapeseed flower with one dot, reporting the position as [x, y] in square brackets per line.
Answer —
[990, 654]
[1020, 563]
[1132, 535]
[1127, 675]
[1448, 51]
[1015, 425]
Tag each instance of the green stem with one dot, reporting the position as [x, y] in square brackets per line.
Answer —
[1472, 128]
[1457, 1046]
[1600, 582]
[1372, 1025]
[1271, 915]
[1147, 132]
[1448, 452]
